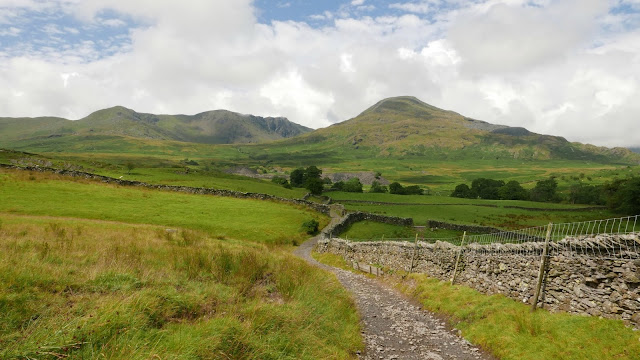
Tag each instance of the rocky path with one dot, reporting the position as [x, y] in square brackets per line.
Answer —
[394, 327]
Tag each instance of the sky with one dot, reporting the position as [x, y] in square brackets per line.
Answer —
[562, 67]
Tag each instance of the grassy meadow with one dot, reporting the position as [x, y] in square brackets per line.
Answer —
[78, 289]
[494, 213]
[269, 222]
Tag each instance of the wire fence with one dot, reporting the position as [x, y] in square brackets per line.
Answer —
[615, 239]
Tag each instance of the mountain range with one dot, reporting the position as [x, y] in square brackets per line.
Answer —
[211, 127]
[397, 127]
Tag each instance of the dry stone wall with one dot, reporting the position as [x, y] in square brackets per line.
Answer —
[575, 282]
[325, 209]
[357, 216]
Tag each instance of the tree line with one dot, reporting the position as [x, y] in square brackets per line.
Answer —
[311, 179]
[620, 195]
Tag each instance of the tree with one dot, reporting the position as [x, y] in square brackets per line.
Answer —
[587, 194]
[314, 185]
[297, 178]
[352, 185]
[313, 180]
[624, 196]
[396, 188]
[486, 188]
[513, 191]
[339, 185]
[312, 172]
[462, 191]
[545, 191]
[377, 188]
[130, 166]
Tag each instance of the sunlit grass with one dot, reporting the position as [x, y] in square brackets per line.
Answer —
[47, 194]
[510, 330]
[83, 289]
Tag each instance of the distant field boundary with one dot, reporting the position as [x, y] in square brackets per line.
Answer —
[322, 208]
[589, 208]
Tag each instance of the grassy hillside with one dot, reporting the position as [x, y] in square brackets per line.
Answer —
[82, 289]
[404, 138]
[47, 194]
[213, 127]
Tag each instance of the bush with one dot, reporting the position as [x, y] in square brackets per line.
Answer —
[396, 188]
[462, 191]
[310, 227]
[545, 191]
[280, 180]
[352, 185]
[338, 185]
[377, 188]
[513, 191]
[623, 196]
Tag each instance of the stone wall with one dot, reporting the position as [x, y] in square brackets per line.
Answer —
[325, 209]
[575, 282]
[354, 217]
[458, 227]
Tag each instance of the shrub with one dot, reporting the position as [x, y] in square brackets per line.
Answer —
[545, 191]
[462, 191]
[338, 185]
[396, 188]
[377, 188]
[310, 227]
[352, 185]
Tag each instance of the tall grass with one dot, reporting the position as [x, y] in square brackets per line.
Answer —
[83, 289]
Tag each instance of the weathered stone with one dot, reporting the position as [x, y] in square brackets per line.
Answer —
[503, 269]
[631, 278]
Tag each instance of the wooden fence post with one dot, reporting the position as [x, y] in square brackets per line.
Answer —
[455, 269]
[415, 249]
[543, 266]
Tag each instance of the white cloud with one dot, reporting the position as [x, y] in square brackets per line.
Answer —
[554, 67]
[11, 31]
[423, 7]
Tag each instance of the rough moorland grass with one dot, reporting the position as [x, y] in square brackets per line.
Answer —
[508, 329]
[47, 194]
[82, 289]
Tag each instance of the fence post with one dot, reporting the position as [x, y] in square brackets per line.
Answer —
[415, 249]
[543, 264]
[455, 269]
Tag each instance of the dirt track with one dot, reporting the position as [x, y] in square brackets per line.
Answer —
[393, 326]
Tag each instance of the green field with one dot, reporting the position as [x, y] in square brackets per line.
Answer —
[80, 289]
[46, 194]
[494, 213]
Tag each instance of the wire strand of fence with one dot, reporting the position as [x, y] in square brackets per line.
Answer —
[613, 239]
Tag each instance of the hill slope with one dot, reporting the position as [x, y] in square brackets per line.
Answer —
[212, 127]
[405, 126]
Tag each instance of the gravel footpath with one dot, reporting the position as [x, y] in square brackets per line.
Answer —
[393, 326]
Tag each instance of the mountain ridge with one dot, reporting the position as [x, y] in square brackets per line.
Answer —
[209, 127]
[406, 126]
